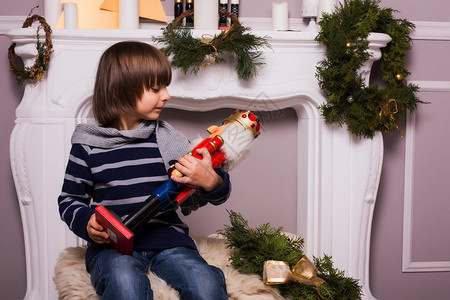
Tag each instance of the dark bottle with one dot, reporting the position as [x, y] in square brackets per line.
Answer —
[223, 4]
[178, 8]
[235, 7]
[189, 6]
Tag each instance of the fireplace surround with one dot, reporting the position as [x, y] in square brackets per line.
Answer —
[337, 173]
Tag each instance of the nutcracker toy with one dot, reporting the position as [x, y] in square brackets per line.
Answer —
[227, 145]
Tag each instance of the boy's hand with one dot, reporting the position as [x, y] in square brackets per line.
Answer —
[96, 232]
[198, 172]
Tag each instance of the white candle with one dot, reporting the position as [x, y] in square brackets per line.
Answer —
[326, 6]
[70, 16]
[129, 14]
[52, 11]
[206, 14]
[280, 19]
[310, 8]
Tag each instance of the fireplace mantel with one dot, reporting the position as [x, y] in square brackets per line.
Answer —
[337, 173]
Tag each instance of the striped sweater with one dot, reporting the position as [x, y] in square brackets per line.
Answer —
[119, 170]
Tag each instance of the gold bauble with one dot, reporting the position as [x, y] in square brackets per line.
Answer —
[399, 76]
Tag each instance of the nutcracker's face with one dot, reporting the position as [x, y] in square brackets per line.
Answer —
[244, 118]
[215, 130]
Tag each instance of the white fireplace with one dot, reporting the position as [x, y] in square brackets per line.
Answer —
[337, 174]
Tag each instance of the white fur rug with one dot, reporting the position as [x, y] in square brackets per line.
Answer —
[72, 280]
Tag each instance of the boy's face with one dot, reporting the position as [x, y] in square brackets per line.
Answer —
[152, 103]
[148, 107]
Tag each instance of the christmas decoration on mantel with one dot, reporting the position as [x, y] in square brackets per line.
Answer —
[365, 109]
[44, 49]
[268, 252]
[189, 54]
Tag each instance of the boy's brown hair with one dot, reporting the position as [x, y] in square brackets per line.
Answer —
[125, 71]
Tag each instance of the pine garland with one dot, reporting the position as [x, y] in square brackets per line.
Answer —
[364, 109]
[189, 54]
[252, 247]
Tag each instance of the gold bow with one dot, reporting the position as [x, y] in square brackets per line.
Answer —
[278, 272]
[204, 42]
[389, 109]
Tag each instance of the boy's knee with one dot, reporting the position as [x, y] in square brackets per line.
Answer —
[124, 278]
[118, 276]
[127, 284]
[212, 285]
[128, 274]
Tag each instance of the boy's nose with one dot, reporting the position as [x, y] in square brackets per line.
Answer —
[165, 95]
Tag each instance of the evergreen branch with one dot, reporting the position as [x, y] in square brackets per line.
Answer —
[253, 246]
[350, 102]
[189, 54]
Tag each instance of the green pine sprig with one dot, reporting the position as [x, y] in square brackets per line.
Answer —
[190, 54]
[253, 246]
[364, 109]
[259, 244]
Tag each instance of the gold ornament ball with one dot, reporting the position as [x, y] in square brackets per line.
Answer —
[399, 76]
[348, 44]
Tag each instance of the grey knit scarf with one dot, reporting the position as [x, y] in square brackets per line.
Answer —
[172, 143]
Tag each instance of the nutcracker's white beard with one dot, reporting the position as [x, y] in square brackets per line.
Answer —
[236, 144]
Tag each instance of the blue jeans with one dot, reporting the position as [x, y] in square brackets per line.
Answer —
[117, 276]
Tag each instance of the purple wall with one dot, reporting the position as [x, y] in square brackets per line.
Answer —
[428, 62]
[12, 258]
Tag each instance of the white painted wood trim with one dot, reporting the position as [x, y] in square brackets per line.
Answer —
[425, 30]
[10, 22]
[408, 265]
